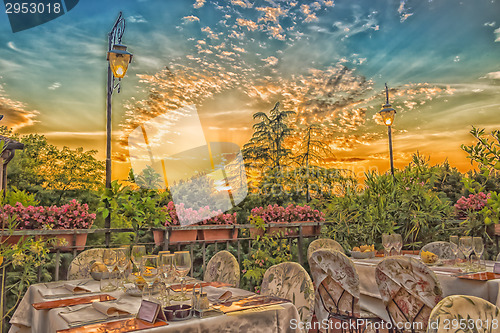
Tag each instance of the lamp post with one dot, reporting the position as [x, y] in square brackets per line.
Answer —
[387, 114]
[118, 60]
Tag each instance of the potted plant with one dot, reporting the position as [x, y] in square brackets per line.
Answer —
[285, 215]
[218, 219]
[70, 216]
[176, 235]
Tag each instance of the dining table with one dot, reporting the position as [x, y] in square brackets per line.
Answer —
[452, 279]
[274, 318]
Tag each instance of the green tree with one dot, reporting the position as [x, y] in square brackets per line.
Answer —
[266, 148]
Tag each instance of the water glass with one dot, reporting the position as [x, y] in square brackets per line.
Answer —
[182, 264]
[397, 243]
[478, 249]
[149, 272]
[121, 263]
[109, 260]
[387, 244]
[454, 247]
[465, 245]
[138, 251]
[166, 274]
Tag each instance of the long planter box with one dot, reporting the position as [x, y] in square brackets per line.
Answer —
[307, 230]
[81, 240]
[176, 236]
[217, 234]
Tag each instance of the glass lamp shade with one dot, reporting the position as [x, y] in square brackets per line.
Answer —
[387, 114]
[119, 59]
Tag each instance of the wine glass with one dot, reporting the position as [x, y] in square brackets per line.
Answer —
[454, 247]
[166, 273]
[478, 248]
[465, 244]
[397, 243]
[121, 263]
[149, 272]
[138, 251]
[387, 244]
[128, 268]
[109, 260]
[182, 264]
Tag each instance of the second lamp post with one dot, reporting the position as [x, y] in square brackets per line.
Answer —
[387, 114]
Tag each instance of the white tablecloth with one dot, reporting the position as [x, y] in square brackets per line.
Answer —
[451, 285]
[273, 319]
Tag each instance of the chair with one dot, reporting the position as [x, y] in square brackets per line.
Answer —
[79, 268]
[323, 243]
[223, 267]
[409, 290]
[442, 249]
[336, 286]
[471, 310]
[498, 257]
[289, 280]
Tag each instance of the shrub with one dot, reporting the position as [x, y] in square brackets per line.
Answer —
[204, 215]
[289, 214]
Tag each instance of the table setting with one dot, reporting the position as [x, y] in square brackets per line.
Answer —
[115, 301]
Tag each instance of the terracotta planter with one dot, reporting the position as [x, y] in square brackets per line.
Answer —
[159, 236]
[177, 236]
[10, 240]
[217, 234]
[254, 232]
[81, 240]
[311, 230]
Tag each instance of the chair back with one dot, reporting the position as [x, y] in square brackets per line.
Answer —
[289, 280]
[323, 243]
[458, 309]
[79, 268]
[223, 267]
[409, 290]
[442, 249]
[336, 285]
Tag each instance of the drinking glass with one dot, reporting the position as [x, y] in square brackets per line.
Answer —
[182, 264]
[109, 260]
[465, 245]
[128, 268]
[149, 272]
[454, 247]
[166, 274]
[397, 243]
[138, 251]
[387, 244]
[478, 248]
[121, 263]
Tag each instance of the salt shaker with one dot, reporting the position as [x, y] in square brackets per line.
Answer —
[203, 303]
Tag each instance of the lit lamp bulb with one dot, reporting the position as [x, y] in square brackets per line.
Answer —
[119, 58]
[387, 114]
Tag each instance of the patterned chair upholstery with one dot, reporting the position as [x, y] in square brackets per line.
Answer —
[79, 268]
[336, 286]
[442, 249]
[498, 257]
[289, 280]
[223, 267]
[409, 290]
[323, 243]
[460, 308]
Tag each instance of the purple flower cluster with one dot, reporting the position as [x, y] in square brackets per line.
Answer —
[204, 215]
[475, 202]
[70, 216]
[291, 213]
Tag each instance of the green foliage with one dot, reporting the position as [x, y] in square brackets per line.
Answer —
[406, 204]
[15, 195]
[486, 151]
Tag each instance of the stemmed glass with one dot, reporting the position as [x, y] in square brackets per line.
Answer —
[121, 263]
[397, 243]
[182, 264]
[478, 248]
[387, 244]
[465, 245]
[138, 251]
[454, 247]
[166, 273]
[149, 272]
[109, 260]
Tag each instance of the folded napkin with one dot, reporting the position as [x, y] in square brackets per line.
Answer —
[219, 294]
[97, 311]
[439, 269]
[66, 288]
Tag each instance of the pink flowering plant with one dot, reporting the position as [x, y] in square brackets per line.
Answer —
[70, 216]
[203, 215]
[472, 203]
[288, 214]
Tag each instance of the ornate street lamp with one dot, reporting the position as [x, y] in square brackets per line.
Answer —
[118, 60]
[387, 114]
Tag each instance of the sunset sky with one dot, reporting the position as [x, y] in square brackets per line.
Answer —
[326, 60]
